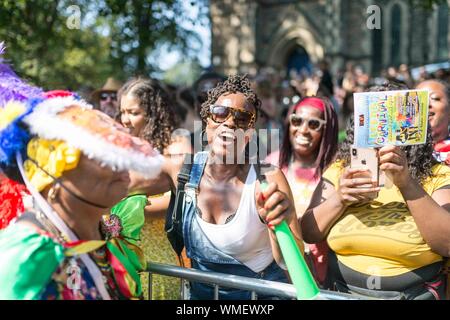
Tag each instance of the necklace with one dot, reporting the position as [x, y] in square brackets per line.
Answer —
[60, 225]
[49, 227]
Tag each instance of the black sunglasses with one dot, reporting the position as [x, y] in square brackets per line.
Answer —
[243, 119]
[105, 95]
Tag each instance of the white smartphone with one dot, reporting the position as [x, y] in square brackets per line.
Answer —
[367, 158]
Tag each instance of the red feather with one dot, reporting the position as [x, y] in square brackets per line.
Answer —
[57, 94]
[11, 202]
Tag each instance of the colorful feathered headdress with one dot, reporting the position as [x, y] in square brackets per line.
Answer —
[92, 132]
[51, 129]
[27, 111]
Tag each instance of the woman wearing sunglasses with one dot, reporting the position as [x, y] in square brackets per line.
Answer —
[309, 146]
[228, 221]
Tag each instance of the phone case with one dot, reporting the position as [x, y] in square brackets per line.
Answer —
[366, 158]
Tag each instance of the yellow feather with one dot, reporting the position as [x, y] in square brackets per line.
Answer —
[10, 112]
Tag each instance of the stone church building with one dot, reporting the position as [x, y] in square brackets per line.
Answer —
[296, 34]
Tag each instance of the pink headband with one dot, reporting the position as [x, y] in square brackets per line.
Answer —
[310, 102]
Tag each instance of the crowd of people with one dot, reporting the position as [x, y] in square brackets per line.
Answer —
[88, 184]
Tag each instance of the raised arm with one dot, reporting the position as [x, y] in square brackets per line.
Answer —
[165, 181]
[158, 206]
[430, 213]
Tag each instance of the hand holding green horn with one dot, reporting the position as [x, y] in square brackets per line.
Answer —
[299, 272]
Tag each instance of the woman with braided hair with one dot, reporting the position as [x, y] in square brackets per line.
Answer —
[228, 221]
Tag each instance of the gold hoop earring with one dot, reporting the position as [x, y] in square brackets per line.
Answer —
[53, 192]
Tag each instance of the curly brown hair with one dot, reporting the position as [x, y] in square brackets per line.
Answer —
[160, 118]
[233, 84]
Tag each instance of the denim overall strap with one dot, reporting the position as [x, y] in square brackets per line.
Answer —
[198, 166]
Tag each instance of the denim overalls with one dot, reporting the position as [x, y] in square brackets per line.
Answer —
[205, 256]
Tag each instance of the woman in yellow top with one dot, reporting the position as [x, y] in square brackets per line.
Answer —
[146, 110]
[385, 243]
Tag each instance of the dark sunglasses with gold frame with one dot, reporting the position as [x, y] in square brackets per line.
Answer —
[242, 118]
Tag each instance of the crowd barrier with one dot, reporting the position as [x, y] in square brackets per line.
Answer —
[217, 280]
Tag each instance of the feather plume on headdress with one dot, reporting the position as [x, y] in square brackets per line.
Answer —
[11, 196]
[11, 86]
[14, 92]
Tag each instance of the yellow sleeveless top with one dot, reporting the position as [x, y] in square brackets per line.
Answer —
[381, 237]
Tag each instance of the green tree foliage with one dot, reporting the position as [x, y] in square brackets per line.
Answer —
[183, 73]
[113, 38]
[43, 49]
[138, 27]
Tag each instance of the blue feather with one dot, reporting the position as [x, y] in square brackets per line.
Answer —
[14, 138]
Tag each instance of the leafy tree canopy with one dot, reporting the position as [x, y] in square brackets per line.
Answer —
[79, 43]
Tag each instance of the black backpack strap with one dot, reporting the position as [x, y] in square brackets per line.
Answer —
[185, 172]
[174, 219]
[182, 178]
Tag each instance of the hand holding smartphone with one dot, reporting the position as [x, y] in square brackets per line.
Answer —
[367, 158]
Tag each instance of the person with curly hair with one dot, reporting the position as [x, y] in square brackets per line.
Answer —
[386, 243]
[308, 148]
[228, 221]
[146, 109]
[439, 115]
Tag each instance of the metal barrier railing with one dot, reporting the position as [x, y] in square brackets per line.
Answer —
[255, 286]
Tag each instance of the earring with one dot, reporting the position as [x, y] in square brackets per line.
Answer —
[53, 192]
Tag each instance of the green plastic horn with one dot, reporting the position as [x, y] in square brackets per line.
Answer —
[301, 277]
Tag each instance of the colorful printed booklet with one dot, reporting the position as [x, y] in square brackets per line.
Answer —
[390, 118]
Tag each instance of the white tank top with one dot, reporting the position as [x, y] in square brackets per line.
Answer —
[245, 237]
